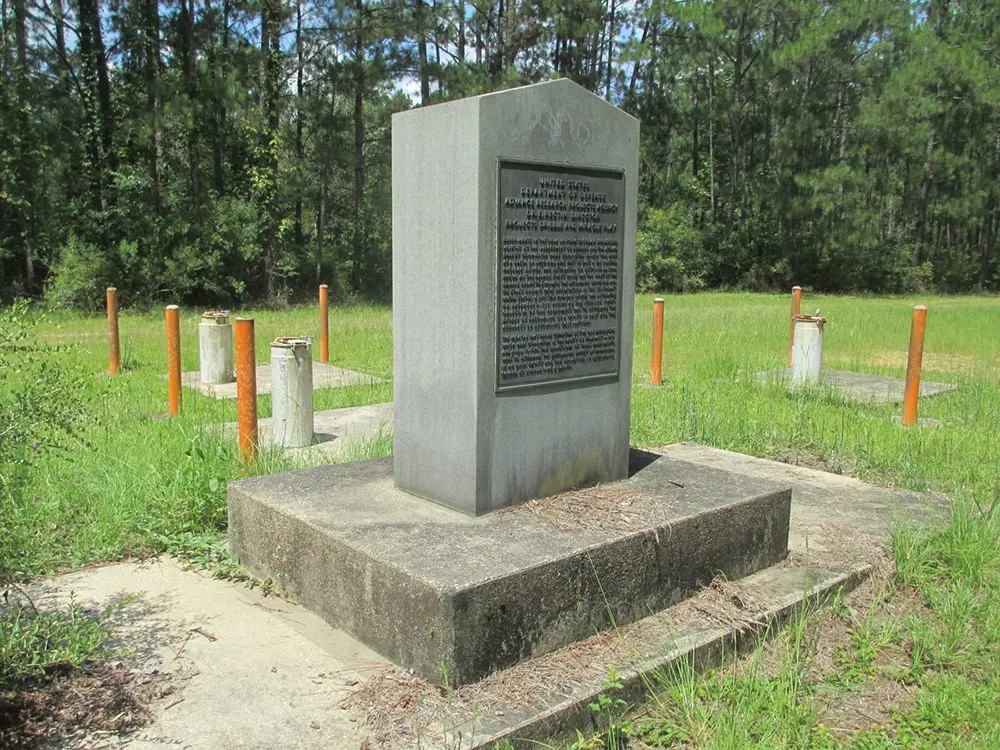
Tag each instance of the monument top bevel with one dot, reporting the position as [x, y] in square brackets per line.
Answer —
[557, 84]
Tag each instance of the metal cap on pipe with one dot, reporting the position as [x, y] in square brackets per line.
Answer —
[817, 319]
[292, 342]
[218, 316]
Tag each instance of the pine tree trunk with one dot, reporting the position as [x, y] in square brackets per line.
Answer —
[359, 145]
[461, 32]
[920, 229]
[97, 100]
[320, 229]
[270, 35]
[152, 72]
[186, 20]
[637, 64]
[25, 170]
[219, 137]
[299, 97]
[425, 84]
[611, 51]
[711, 137]
[59, 13]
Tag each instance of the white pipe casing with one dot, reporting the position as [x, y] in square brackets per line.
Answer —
[807, 349]
[291, 392]
[215, 347]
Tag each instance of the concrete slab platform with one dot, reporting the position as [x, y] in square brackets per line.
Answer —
[249, 670]
[833, 516]
[860, 387]
[324, 376]
[456, 597]
[254, 671]
[277, 675]
[336, 430]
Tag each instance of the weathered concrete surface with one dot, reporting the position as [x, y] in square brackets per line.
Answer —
[680, 634]
[250, 671]
[336, 431]
[840, 526]
[277, 675]
[324, 376]
[433, 589]
[231, 698]
[831, 514]
[861, 387]
[458, 441]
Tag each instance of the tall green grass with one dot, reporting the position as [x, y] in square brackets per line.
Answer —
[137, 477]
[716, 343]
[942, 649]
[136, 482]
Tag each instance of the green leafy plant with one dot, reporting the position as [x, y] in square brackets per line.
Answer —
[33, 642]
[608, 710]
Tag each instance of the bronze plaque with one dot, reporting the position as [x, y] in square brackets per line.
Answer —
[560, 243]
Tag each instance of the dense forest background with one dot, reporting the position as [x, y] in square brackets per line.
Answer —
[218, 151]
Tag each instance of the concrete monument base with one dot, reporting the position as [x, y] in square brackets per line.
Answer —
[861, 387]
[455, 598]
[267, 671]
[324, 376]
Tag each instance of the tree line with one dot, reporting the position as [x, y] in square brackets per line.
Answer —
[230, 150]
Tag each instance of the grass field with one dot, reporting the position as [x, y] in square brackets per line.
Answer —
[134, 483]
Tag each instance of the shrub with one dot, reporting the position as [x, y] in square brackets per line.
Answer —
[670, 252]
[79, 277]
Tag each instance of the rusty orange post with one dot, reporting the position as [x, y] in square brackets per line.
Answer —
[796, 308]
[913, 364]
[656, 369]
[246, 388]
[324, 326]
[173, 319]
[114, 349]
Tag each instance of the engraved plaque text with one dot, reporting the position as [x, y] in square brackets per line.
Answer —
[560, 241]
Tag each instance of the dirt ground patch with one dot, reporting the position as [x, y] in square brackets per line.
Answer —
[852, 696]
[82, 708]
[802, 457]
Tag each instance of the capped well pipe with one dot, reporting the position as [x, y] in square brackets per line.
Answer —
[291, 392]
[215, 347]
[807, 349]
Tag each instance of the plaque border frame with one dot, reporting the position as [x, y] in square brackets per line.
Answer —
[554, 383]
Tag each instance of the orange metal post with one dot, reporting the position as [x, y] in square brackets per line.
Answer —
[796, 308]
[173, 318]
[656, 370]
[913, 364]
[114, 350]
[324, 326]
[246, 388]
